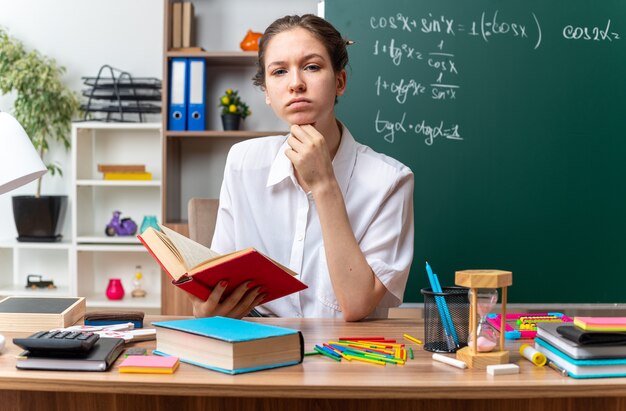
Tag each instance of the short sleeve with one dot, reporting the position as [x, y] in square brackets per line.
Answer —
[388, 241]
[224, 236]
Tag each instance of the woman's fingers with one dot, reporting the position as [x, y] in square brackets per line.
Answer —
[247, 302]
[258, 300]
[230, 303]
[209, 307]
[236, 305]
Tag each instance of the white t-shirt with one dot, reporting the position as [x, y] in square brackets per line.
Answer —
[263, 206]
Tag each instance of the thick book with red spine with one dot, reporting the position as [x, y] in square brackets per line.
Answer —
[276, 281]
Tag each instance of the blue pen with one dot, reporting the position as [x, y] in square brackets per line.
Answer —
[444, 313]
[438, 300]
[447, 313]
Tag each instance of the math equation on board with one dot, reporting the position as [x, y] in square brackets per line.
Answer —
[425, 42]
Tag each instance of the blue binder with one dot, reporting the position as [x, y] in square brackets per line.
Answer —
[196, 104]
[178, 95]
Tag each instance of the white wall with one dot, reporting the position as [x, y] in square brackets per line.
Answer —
[82, 36]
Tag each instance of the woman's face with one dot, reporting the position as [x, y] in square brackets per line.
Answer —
[300, 83]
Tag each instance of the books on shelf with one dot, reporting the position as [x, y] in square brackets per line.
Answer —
[548, 333]
[127, 176]
[187, 24]
[228, 345]
[177, 24]
[99, 358]
[40, 313]
[124, 172]
[121, 168]
[182, 25]
[197, 269]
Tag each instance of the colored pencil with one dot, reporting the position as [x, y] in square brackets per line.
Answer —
[415, 340]
[325, 354]
[361, 338]
[354, 357]
[375, 350]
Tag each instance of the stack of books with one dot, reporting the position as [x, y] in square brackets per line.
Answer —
[592, 347]
[182, 26]
[124, 172]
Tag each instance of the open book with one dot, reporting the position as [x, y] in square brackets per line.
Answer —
[197, 269]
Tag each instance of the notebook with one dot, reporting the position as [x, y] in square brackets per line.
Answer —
[99, 358]
[600, 368]
[548, 332]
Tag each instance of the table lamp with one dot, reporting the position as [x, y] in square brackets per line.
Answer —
[19, 162]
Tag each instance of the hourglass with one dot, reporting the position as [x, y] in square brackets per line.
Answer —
[486, 339]
[483, 285]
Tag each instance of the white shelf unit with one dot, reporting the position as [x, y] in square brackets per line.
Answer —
[52, 261]
[96, 264]
[97, 256]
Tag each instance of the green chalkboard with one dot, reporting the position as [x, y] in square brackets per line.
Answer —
[512, 115]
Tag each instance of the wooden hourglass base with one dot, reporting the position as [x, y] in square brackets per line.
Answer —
[482, 359]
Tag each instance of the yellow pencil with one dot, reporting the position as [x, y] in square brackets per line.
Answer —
[354, 357]
[415, 340]
[345, 344]
[382, 345]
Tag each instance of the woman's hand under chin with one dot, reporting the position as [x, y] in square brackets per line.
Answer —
[310, 157]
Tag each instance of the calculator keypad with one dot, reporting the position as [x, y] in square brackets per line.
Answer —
[58, 341]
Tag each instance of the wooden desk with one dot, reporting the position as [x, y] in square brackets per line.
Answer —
[318, 383]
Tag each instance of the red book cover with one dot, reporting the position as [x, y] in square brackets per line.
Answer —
[235, 268]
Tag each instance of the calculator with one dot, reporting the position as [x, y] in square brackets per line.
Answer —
[58, 341]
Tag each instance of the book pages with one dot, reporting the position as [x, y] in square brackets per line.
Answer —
[188, 251]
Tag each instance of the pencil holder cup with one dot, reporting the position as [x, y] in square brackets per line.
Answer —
[446, 319]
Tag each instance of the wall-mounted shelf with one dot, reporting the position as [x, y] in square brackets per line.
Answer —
[226, 134]
[220, 58]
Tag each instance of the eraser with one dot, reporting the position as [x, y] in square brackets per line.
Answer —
[450, 361]
[502, 369]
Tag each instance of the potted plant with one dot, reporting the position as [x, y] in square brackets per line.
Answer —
[44, 106]
[233, 110]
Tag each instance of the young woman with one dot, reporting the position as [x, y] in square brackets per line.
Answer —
[329, 208]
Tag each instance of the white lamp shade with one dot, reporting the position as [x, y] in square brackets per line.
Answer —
[19, 162]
